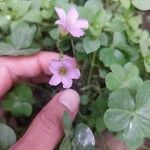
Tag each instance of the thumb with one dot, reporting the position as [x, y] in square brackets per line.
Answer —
[47, 128]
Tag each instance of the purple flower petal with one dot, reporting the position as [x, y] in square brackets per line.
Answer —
[55, 80]
[54, 66]
[61, 13]
[69, 63]
[67, 82]
[76, 32]
[81, 23]
[72, 15]
[74, 74]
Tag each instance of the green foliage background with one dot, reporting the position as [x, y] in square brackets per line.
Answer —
[114, 58]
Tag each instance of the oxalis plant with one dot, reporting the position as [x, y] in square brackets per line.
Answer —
[112, 77]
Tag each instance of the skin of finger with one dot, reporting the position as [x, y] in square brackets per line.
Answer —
[14, 68]
[47, 129]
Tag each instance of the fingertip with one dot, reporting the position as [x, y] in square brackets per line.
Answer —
[70, 99]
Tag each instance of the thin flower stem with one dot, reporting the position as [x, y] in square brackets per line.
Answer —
[91, 68]
[83, 67]
[73, 48]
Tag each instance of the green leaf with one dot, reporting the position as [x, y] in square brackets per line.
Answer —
[66, 144]
[94, 5]
[54, 33]
[147, 63]
[116, 119]
[121, 99]
[34, 16]
[141, 4]
[91, 45]
[133, 134]
[4, 19]
[116, 25]
[19, 101]
[125, 3]
[8, 49]
[67, 124]
[22, 35]
[100, 126]
[20, 7]
[131, 122]
[46, 14]
[7, 136]
[109, 56]
[63, 45]
[84, 138]
[36, 4]
[143, 100]
[120, 42]
[127, 76]
[103, 39]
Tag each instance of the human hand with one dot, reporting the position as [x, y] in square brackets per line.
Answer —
[46, 129]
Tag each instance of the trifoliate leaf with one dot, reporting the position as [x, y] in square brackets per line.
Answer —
[19, 101]
[127, 76]
[131, 119]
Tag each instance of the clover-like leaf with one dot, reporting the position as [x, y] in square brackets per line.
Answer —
[127, 76]
[19, 101]
[130, 116]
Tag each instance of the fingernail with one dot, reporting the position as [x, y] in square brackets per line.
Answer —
[70, 99]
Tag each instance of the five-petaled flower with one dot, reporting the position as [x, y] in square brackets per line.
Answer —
[69, 23]
[63, 70]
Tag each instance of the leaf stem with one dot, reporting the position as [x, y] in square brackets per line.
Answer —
[91, 69]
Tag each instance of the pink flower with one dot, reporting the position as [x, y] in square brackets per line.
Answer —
[69, 23]
[63, 71]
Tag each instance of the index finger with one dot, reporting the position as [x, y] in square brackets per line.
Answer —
[16, 67]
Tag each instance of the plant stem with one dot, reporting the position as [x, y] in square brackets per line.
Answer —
[73, 48]
[91, 68]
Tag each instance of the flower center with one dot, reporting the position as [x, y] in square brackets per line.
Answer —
[63, 71]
